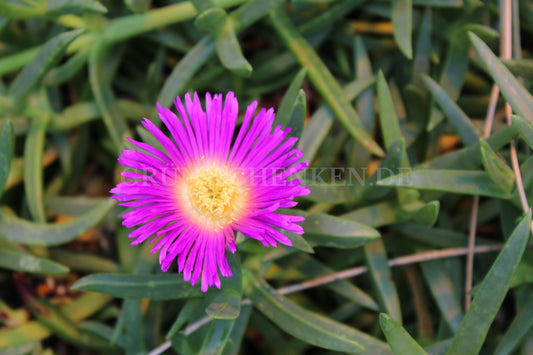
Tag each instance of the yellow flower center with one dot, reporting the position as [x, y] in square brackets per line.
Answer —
[216, 195]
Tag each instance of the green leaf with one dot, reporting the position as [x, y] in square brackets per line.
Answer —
[33, 166]
[185, 70]
[518, 97]
[525, 128]
[470, 157]
[336, 232]
[7, 144]
[217, 337]
[237, 333]
[462, 124]
[153, 287]
[297, 116]
[22, 9]
[221, 26]
[62, 7]
[83, 262]
[518, 329]
[398, 338]
[453, 73]
[520, 67]
[307, 326]
[421, 60]
[442, 289]
[286, 106]
[227, 304]
[51, 52]
[105, 99]
[402, 13]
[378, 267]
[134, 343]
[322, 120]
[22, 231]
[20, 261]
[454, 181]
[138, 5]
[489, 297]
[499, 172]
[333, 193]
[299, 242]
[390, 126]
[66, 71]
[323, 80]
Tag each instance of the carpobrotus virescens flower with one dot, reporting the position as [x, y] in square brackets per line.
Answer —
[207, 184]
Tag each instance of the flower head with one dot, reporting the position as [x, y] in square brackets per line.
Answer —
[206, 184]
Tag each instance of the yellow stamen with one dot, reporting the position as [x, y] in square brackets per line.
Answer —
[216, 196]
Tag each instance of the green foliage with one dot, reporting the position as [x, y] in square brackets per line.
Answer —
[386, 100]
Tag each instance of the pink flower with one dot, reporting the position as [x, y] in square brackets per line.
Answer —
[192, 197]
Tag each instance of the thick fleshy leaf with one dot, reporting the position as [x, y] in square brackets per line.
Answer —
[21, 261]
[66, 71]
[33, 166]
[518, 329]
[380, 273]
[283, 113]
[33, 72]
[462, 124]
[518, 97]
[453, 181]
[82, 261]
[326, 230]
[62, 7]
[130, 286]
[525, 128]
[453, 73]
[217, 336]
[22, 9]
[470, 157]
[398, 338]
[497, 169]
[138, 5]
[134, 342]
[105, 99]
[227, 304]
[390, 125]
[322, 120]
[402, 14]
[7, 143]
[216, 21]
[489, 296]
[307, 326]
[297, 115]
[237, 333]
[323, 80]
[22, 231]
[443, 291]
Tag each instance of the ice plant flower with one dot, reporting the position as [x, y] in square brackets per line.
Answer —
[206, 184]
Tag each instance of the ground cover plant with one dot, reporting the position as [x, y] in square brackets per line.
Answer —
[396, 189]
